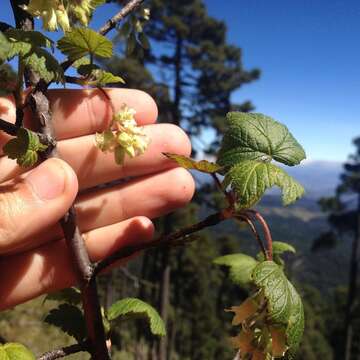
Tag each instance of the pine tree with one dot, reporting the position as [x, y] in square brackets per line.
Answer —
[344, 218]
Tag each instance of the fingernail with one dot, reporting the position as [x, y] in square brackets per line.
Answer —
[47, 180]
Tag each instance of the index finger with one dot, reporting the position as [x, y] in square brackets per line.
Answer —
[78, 112]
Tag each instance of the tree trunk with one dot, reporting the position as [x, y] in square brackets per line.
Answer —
[354, 268]
[176, 113]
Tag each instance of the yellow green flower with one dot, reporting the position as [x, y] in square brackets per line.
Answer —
[123, 136]
[52, 13]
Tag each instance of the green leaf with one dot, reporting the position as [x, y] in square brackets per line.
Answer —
[240, 266]
[82, 61]
[134, 307]
[80, 42]
[4, 48]
[97, 76]
[278, 249]
[45, 65]
[296, 325]
[252, 136]
[250, 179]
[188, 163]
[24, 148]
[270, 277]
[23, 42]
[70, 295]
[283, 302]
[96, 3]
[103, 78]
[69, 319]
[15, 351]
[86, 69]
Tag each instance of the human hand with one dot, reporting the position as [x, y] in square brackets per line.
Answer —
[33, 255]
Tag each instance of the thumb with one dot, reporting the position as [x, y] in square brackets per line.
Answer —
[30, 204]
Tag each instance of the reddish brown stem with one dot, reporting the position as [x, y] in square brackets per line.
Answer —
[179, 237]
[255, 232]
[266, 231]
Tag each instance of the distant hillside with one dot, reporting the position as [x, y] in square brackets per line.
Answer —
[298, 224]
[319, 178]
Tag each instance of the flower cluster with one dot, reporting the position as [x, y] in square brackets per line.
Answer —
[258, 339]
[52, 13]
[81, 10]
[123, 136]
[55, 13]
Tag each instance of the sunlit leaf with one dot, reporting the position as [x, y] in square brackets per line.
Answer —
[4, 48]
[15, 351]
[23, 42]
[188, 163]
[278, 249]
[284, 304]
[132, 307]
[240, 267]
[252, 136]
[250, 179]
[24, 148]
[45, 65]
[80, 42]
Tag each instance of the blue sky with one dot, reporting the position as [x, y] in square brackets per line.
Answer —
[309, 55]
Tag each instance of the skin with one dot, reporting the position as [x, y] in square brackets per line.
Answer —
[33, 254]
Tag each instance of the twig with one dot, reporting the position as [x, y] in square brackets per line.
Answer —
[108, 98]
[176, 238]
[126, 10]
[11, 129]
[8, 127]
[228, 195]
[65, 351]
[267, 232]
[254, 231]
[80, 258]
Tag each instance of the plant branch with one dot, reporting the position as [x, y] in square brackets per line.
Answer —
[65, 351]
[179, 237]
[267, 232]
[255, 232]
[41, 110]
[126, 10]
[8, 127]
[228, 195]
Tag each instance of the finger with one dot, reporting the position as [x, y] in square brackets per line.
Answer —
[49, 268]
[82, 112]
[150, 196]
[29, 204]
[94, 167]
